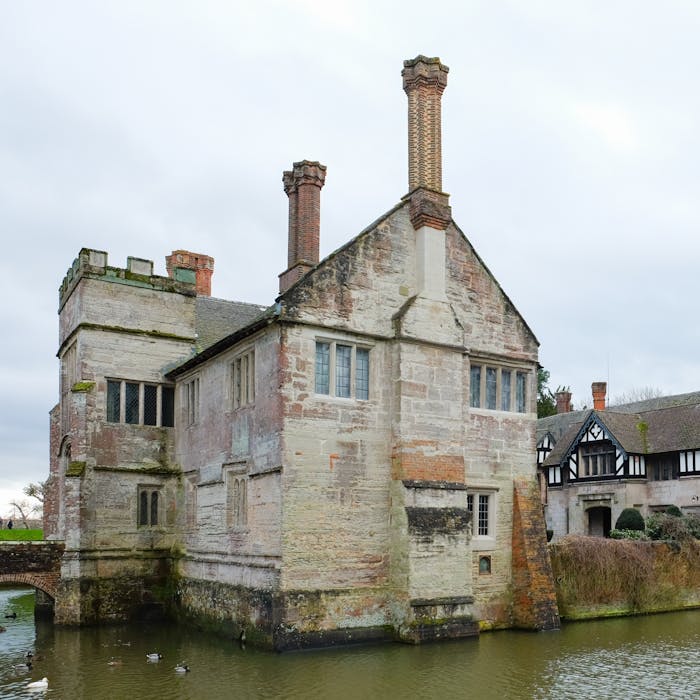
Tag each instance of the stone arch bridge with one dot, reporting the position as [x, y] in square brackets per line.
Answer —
[36, 564]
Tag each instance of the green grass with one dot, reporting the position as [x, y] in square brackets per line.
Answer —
[20, 534]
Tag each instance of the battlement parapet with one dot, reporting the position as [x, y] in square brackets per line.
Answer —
[138, 272]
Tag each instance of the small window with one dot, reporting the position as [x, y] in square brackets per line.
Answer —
[191, 392]
[343, 359]
[148, 500]
[131, 403]
[597, 458]
[244, 379]
[520, 392]
[150, 404]
[362, 374]
[491, 388]
[484, 565]
[237, 501]
[475, 386]
[690, 462]
[167, 418]
[491, 377]
[505, 390]
[323, 353]
[481, 519]
[114, 401]
[342, 370]
[137, 403]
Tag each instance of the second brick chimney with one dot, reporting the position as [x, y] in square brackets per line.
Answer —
[203, 266]
[303, 187]
[563, 399]
[599, 390]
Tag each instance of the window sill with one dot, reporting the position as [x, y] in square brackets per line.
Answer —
[481, 543]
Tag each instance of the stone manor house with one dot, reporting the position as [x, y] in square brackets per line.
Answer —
[353, 462]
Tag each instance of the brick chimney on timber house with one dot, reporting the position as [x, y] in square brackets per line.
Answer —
[424, 81]
[303, 187]
[563, 399]
[202, 265]
[599, 390]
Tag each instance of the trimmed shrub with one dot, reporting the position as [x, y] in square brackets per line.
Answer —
[661, 526]
[693, 522]
[675, 511]
[630, 519]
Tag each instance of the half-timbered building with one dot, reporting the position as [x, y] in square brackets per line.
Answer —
[597, 462]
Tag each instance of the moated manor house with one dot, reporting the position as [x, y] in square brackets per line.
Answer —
[353, 462]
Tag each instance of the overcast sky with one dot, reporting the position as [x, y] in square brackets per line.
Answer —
[570, 151]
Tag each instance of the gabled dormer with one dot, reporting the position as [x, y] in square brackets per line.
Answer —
[605, 446]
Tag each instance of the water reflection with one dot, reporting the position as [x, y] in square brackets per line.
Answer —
[652, 656]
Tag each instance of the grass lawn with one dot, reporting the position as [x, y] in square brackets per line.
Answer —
[20, 534]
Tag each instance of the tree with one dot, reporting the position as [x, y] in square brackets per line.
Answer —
[25, 510]
[546, 403]
[633, 395]
[37, 490]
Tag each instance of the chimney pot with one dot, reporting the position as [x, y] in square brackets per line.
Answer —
[424, 81]
[303, 187]
[563, 399]
[599, 390]
[202, 265]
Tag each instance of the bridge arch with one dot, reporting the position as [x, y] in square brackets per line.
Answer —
[47, 583]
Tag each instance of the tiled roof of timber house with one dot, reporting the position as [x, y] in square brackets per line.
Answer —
[664, 424]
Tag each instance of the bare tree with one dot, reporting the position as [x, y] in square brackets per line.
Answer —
[25, 510]
[640, 394]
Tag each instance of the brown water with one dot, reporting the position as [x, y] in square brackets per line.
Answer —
[648, 657]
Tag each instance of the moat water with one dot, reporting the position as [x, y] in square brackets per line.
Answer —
[651, 657]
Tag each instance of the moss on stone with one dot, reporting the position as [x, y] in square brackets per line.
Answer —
[76, 468]
[82, 387]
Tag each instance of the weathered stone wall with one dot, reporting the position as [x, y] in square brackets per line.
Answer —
[534, 598]
[336, 473]
[228, 443]
[125, 589]
[30, 557]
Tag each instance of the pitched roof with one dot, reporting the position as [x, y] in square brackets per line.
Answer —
[217, 318]
[668, 424]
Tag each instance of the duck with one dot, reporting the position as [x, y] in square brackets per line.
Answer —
[182, 668]
[3, 629]
[39, 685]
[23, 667]
[114, 662]
[154, 657]
[11, 616]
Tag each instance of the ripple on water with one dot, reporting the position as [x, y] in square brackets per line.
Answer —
[637, 657]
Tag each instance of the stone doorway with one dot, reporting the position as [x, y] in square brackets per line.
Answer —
[599, 521]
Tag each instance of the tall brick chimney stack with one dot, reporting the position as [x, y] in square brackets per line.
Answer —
[303, 187]
[203, 266]
[424, 81]
[563, 399]
[599, 390]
